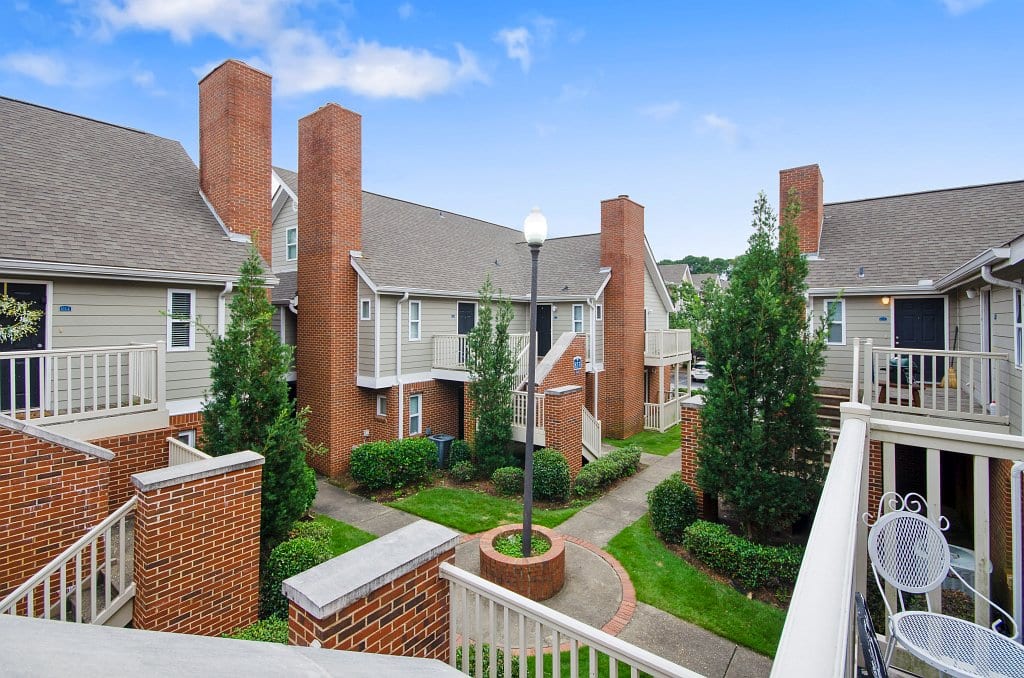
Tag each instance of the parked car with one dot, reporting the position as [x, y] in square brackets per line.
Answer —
[700, 371]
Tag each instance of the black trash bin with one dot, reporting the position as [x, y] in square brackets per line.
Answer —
[444, 446]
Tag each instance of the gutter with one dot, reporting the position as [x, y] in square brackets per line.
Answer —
[60, 269]
[398, 365]
[969, 269]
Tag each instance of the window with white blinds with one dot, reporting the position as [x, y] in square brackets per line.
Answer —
[181, 316]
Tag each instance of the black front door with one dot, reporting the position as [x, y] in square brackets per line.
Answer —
[543, 329]
[25, 373]
[921, 323]
[467, 317]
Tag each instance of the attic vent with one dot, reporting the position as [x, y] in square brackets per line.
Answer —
[860, 272]
[440, 214]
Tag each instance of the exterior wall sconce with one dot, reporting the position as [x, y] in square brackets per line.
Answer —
[885, 301]
[971, 292]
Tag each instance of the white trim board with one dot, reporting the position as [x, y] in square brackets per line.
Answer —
[65, 270]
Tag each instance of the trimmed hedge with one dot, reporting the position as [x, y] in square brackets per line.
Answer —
[273, 630]
[752, 565]
[460, 451]
[463, 471]
[551, 478]
[673, 508]
[508, 480]
[607, 469]
[393, 464]
[311, 529]
[287, 560]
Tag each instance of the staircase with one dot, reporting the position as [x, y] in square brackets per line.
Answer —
[591, 436]
[829, 398]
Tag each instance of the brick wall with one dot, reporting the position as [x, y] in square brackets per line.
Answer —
[809, 186]
[563, 424]
[234, 149]
[562, 372]
[622, 385]
[874, 476]
[50, 495]
[330, 223]
[197, 546]
[1001, 525]
[689, 432]
[440, 405]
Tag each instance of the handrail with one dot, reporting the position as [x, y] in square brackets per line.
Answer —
[573, 631]
[941, 352]
[87, 350]
[180, 453]
[591, 431]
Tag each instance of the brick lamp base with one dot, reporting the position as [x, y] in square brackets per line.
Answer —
[537, 577]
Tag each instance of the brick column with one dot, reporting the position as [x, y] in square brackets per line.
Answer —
[563, 424]
[197, 545]
[385, 597]
[689, 431]
[874, 476]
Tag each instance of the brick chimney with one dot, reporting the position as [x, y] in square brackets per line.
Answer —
[234, 149]
[808, 184]
[622, 249]
[330, 227]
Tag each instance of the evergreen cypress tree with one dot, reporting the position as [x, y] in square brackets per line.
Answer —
[761, 445]
[248, 408]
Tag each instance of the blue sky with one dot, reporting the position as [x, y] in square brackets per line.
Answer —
[688, 107]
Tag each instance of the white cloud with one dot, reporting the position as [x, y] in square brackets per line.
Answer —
[143, 78]
[571, 92]
[723, 127]
[662, 111]
[231, 20]
[406, 10]
[302, 62]
[958, 7]
[45, 68]
[517, 45]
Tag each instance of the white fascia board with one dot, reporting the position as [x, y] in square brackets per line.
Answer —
[231, 235]
[607, 279]
[659, 282]
[387, 382]
[972, 268]
[284, 186]
[277, 203]
[61, 269]
[353, 259]
[889, 290]
[417, 292]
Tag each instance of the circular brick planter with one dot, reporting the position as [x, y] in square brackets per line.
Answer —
[536, 577]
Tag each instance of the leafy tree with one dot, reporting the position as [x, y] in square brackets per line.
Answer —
[686, 317]
[248, 407]
[761, 445]
[491, 366]
[702, 264]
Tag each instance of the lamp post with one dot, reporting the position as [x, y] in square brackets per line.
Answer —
[535, 228]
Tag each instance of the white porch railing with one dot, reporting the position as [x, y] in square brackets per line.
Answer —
[519, 410]
[180, 453]
[661, 416]
[61, 385]
[450, 350]
[954, 384]
[660, 344]
[97, 585]
[591, 433]
[487, 617]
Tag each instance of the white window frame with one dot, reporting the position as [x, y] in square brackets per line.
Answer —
[382, 406]
[417, 323]
[575, 321]
[191, 320]
[288, 255]
[600, 312]
[839, 320]
[1018, 328]
[366, 309]
[417, 416]
[187, 436]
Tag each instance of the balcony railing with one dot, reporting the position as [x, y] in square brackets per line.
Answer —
[180, 453]
[662, 347]
[451, 350]
[662, 416]
[62, 385]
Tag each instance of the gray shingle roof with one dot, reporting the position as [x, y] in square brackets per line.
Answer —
[902, 239]
[86, 192]
[286, 288]
[406, 245]
[673, 273]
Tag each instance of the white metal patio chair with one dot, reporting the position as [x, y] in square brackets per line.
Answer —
[909, 551]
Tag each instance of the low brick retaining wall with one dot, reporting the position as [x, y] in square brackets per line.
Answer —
[537, 577]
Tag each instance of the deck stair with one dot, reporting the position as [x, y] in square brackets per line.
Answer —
[829, 399]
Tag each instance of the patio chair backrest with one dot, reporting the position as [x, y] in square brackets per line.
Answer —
[909, 551]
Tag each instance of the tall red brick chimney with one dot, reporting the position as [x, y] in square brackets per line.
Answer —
[622, 249]
[330, 227]
[809, 188]
[234, 149]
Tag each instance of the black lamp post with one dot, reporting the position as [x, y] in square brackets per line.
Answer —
[535, 228]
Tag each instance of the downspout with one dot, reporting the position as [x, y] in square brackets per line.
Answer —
[221, 307]
[987, 276]
[398, 365]
[592, 346]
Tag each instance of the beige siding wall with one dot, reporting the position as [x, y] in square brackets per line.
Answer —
[364, 350]
[287, 218]
[599, 329]
[657, 313]
[863, 320]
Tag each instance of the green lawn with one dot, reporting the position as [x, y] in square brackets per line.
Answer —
[668, 582]
[344, 537]
[652, 442]
[471, 511]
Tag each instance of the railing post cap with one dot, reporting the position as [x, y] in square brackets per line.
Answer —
[852, 410]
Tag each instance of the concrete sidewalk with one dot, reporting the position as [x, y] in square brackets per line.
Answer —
[357, 511]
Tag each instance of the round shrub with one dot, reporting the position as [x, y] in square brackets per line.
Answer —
[463, 471]
[370, 464]
[312, 530]
[508, 480]
[673, 507]
[460, 451]
[273, 630]
[393, 464]
[287, 560]
[551, 479]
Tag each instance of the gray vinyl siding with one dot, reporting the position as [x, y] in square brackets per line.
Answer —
[437, 316]
[364, 350]
[286, 218]
[657, 313]
[599, 330]
[863, 320]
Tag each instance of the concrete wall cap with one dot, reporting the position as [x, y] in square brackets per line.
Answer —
[55, 438]
[694, 401]
[332, 586]
[562, 390]
[196, 470]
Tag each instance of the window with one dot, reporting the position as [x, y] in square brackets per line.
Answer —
[181, 316]
[382, 406]
[291, 243]
[415, 418]
[577, 318]
[414, 321]
[365, 309]
[835, 316]
[600, 312]
[188, 436]
[1018, 328]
